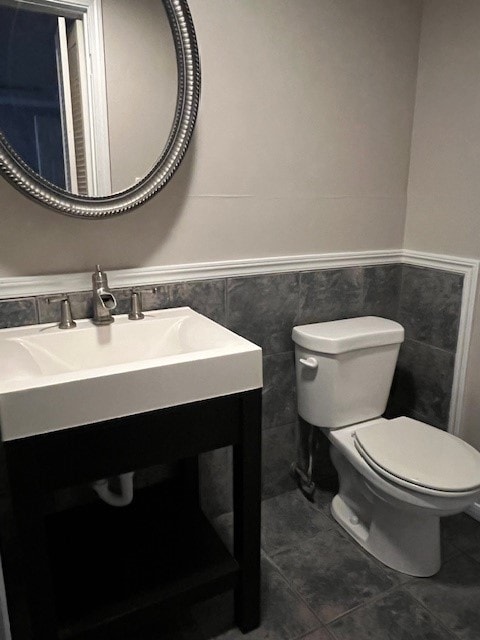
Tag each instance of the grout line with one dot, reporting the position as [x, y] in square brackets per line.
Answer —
[400, 587]
[295, 592]
[460, 552]
[326, 626]
[367, 603]
[399, 295]
[323, 627]
[298, 314]
[371, 600]
[431, 346]
[434, 616]
[470, 557]
[226, 306]
[331, 632]
[287, 547]
[280, 353]
[279, 426]
[37, 309]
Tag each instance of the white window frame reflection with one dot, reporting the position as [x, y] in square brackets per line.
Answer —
[89, 12]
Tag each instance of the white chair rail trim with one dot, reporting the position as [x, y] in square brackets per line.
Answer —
[11, 287]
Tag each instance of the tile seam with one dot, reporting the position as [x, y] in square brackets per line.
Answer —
[434, 616]
[431, 346]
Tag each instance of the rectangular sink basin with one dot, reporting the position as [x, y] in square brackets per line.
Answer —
[53, 379]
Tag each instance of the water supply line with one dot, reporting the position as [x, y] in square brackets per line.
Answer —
[122, 499]
[304, 479]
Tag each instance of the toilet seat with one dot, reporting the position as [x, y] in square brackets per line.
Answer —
[419, 457]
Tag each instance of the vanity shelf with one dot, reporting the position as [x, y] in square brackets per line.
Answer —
[93, 571]
[158, 551]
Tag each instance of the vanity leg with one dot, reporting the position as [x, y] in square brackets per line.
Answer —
[13, 574]
[246, 506]
[32, 617]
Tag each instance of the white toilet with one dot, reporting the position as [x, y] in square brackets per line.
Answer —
[397, 477]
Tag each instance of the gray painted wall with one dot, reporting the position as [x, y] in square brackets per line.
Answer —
[301, 146]
[443, 188]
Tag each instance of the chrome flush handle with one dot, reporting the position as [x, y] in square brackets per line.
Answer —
[310, 363]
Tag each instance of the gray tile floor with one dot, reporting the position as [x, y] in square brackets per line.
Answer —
[317, 584]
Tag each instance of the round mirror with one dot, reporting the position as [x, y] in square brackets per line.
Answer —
[97, 110]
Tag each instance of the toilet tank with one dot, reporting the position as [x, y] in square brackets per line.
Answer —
[344, 369]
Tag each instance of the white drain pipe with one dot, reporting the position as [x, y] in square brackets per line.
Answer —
[102, 489]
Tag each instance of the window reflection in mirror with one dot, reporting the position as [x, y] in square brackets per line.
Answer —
[46, 105]
[56, 72]
[29, 96]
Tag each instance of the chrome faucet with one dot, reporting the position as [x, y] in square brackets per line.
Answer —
[103, 299]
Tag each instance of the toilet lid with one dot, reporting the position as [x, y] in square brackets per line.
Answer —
[418, 454]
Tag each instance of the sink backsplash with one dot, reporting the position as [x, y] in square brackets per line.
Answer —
[263, 309]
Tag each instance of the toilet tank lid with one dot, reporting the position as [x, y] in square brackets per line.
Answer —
[340, 336]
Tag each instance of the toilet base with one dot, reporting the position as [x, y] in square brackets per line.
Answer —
[401, 539]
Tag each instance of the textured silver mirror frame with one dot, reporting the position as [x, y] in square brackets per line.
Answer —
[18, 173]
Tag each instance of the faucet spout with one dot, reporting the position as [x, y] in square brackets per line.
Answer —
[107, 299]
[103, 299]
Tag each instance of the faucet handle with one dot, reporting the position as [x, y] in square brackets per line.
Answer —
[66, 318]
[136, 305]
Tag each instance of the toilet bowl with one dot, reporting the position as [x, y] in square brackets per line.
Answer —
[396, 477]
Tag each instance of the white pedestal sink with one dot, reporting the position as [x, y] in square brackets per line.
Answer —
[52, 379]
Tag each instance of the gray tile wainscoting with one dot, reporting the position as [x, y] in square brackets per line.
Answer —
[422, 388]
[331, 294]
[264, 308]
[382, 286]
[18, 312]
[429, 309]
[429, 305]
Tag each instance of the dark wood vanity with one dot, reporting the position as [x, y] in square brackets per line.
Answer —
[95, 571]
